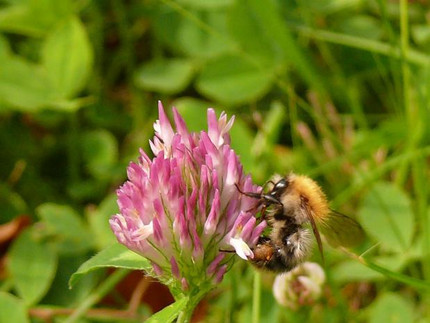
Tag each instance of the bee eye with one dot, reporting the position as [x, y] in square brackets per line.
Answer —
[279, 188]
[281, 184]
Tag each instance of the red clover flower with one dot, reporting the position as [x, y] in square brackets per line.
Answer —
[181, 209]
[300, 286]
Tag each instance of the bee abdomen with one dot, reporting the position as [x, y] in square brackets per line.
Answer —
[270, 257]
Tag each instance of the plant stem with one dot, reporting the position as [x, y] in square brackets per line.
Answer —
[98, 294]
[409, 109]
[184, 316]
[367, 178]
[194, 299]
[256, 297]
[373, 46]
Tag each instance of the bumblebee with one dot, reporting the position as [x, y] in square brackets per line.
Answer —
[292, 203]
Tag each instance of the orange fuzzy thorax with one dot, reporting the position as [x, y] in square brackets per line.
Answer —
[316, 199]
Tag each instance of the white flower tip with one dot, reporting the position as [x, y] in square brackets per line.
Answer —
[143, 232]
[242, 249]
[157, 126]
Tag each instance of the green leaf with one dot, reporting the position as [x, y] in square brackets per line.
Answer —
[194, 112]
[207, 4]
[24, 85]
[165, 26]
[268, 15]
[391, 308]
[208, 42]
[242, 139]
[386, 215]
[12, 309]
[243, 22]
[98, 220]
[59, 294]
[18, 19]
[165, 76]
[117, 256]
[421, 34]
[32, 266]
[34, 17]
[67, 56]
[66, 228]
[4, 47]
[100, 152]
[15, 1]
[232, 80]
[169, 313]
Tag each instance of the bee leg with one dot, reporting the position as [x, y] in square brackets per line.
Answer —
[263, 213]
[253, 208]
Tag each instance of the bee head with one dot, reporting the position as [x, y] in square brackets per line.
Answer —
[274, 196]
[279, 188]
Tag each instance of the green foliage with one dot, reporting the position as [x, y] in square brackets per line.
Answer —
[64, 67]
[169, 313]
[390, 307]
[338, 90]
[116, 256]
[232, 79]
[24, 85]
[65, 229]
[98, 220]
[67, 58]
[165, 76]
[12, 309]
[393, 226]
[32, 267]
[99, 153]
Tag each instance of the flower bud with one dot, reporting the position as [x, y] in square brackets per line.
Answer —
[300, 286]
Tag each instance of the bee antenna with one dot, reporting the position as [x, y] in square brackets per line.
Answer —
[249, 194]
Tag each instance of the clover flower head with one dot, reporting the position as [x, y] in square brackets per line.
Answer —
[181, 209]
[300, 286]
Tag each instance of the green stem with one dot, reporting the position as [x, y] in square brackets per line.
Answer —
[256, 297]
[412, 56]
[410, 281]
[407, 106]
[98, 294]
[194, 299]
[184, 316]
[377, 173]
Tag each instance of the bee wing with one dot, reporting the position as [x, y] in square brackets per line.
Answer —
[315, 230]
[341, 230]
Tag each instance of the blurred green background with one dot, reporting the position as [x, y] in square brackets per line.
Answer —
[335, 89]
